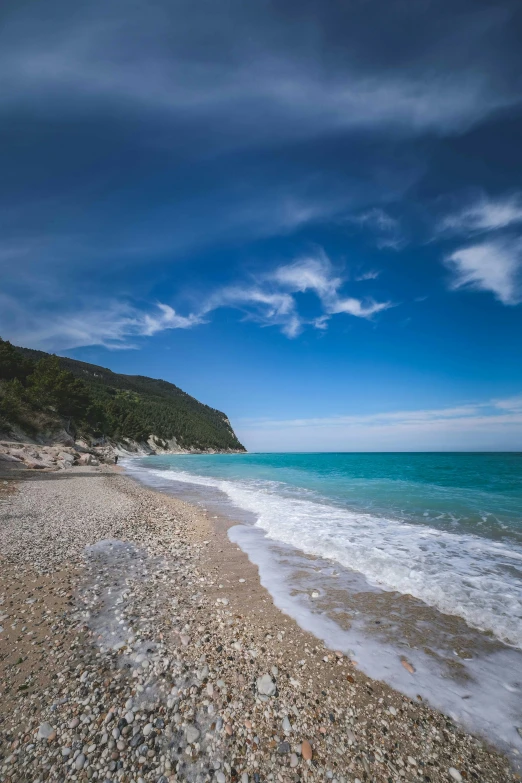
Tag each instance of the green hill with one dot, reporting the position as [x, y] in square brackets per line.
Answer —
[39, 391]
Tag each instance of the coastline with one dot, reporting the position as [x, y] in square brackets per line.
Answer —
[202, 609]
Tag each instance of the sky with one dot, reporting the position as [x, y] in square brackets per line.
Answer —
[305, 214]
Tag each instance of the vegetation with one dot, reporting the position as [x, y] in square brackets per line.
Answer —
[40, 392]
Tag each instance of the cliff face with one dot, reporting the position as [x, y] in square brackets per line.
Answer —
[49, 399]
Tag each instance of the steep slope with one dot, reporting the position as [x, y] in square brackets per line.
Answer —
[141, 409]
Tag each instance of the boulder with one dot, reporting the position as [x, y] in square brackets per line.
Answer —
[9, 458]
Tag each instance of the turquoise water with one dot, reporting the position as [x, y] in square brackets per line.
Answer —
[476, 493]
[334, 534]
[445, 528]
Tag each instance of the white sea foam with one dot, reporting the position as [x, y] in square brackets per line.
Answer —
[485, 700]
[460, 574]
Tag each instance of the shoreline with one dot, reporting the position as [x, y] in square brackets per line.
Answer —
[204, 600]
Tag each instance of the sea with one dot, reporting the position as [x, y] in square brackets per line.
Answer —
[411, 564]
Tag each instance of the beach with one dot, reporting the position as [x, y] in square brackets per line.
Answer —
[138, 644]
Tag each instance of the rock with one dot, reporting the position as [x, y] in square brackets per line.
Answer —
[147, 729]
[287, 726]
[9, 458]
[294, 761]
[265, 685]
[136, 740]
[455, 774]
[409, 668]
[73, 723]
[220, 777]
[45, 731]
[80, 761]
[185, 640]
[306, 750]
[283, 747]
[392, 711]
[192, 734]
[229, 730]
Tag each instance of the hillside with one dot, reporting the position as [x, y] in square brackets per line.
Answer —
[40, 393]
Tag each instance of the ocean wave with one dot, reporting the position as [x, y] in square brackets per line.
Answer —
[458, 574]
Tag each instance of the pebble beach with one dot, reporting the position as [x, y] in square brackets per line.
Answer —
[137, 644]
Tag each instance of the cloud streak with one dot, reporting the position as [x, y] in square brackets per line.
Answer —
[192, 65]
[485, 214]
[494, 266]
[269, 300]
[272, 301]
[493, 424]
[386, 230]
[111, 324]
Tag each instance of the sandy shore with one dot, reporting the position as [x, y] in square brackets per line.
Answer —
[158, 656]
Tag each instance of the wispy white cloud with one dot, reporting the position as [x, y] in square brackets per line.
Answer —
[484, 214]
[386, 230]
[493, 424]
[513, 404]
[112, 324]
[198, 67]
[494, 266]
[271, 299]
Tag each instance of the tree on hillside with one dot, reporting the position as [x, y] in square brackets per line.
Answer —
[50, 386]
[12, 363]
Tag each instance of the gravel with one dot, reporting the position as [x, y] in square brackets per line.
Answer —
[126, 669]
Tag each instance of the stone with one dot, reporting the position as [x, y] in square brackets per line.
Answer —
[409, 668]
[79, 761]
[265, 685]
[73, 723]
[455, 774]
[306, 750]
[220, 777]
[287, 726]
[244, 777]
[294, 761]
[192, 734]
[45, 731]
[283, 747]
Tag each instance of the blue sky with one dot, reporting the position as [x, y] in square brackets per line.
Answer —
[308, 215]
